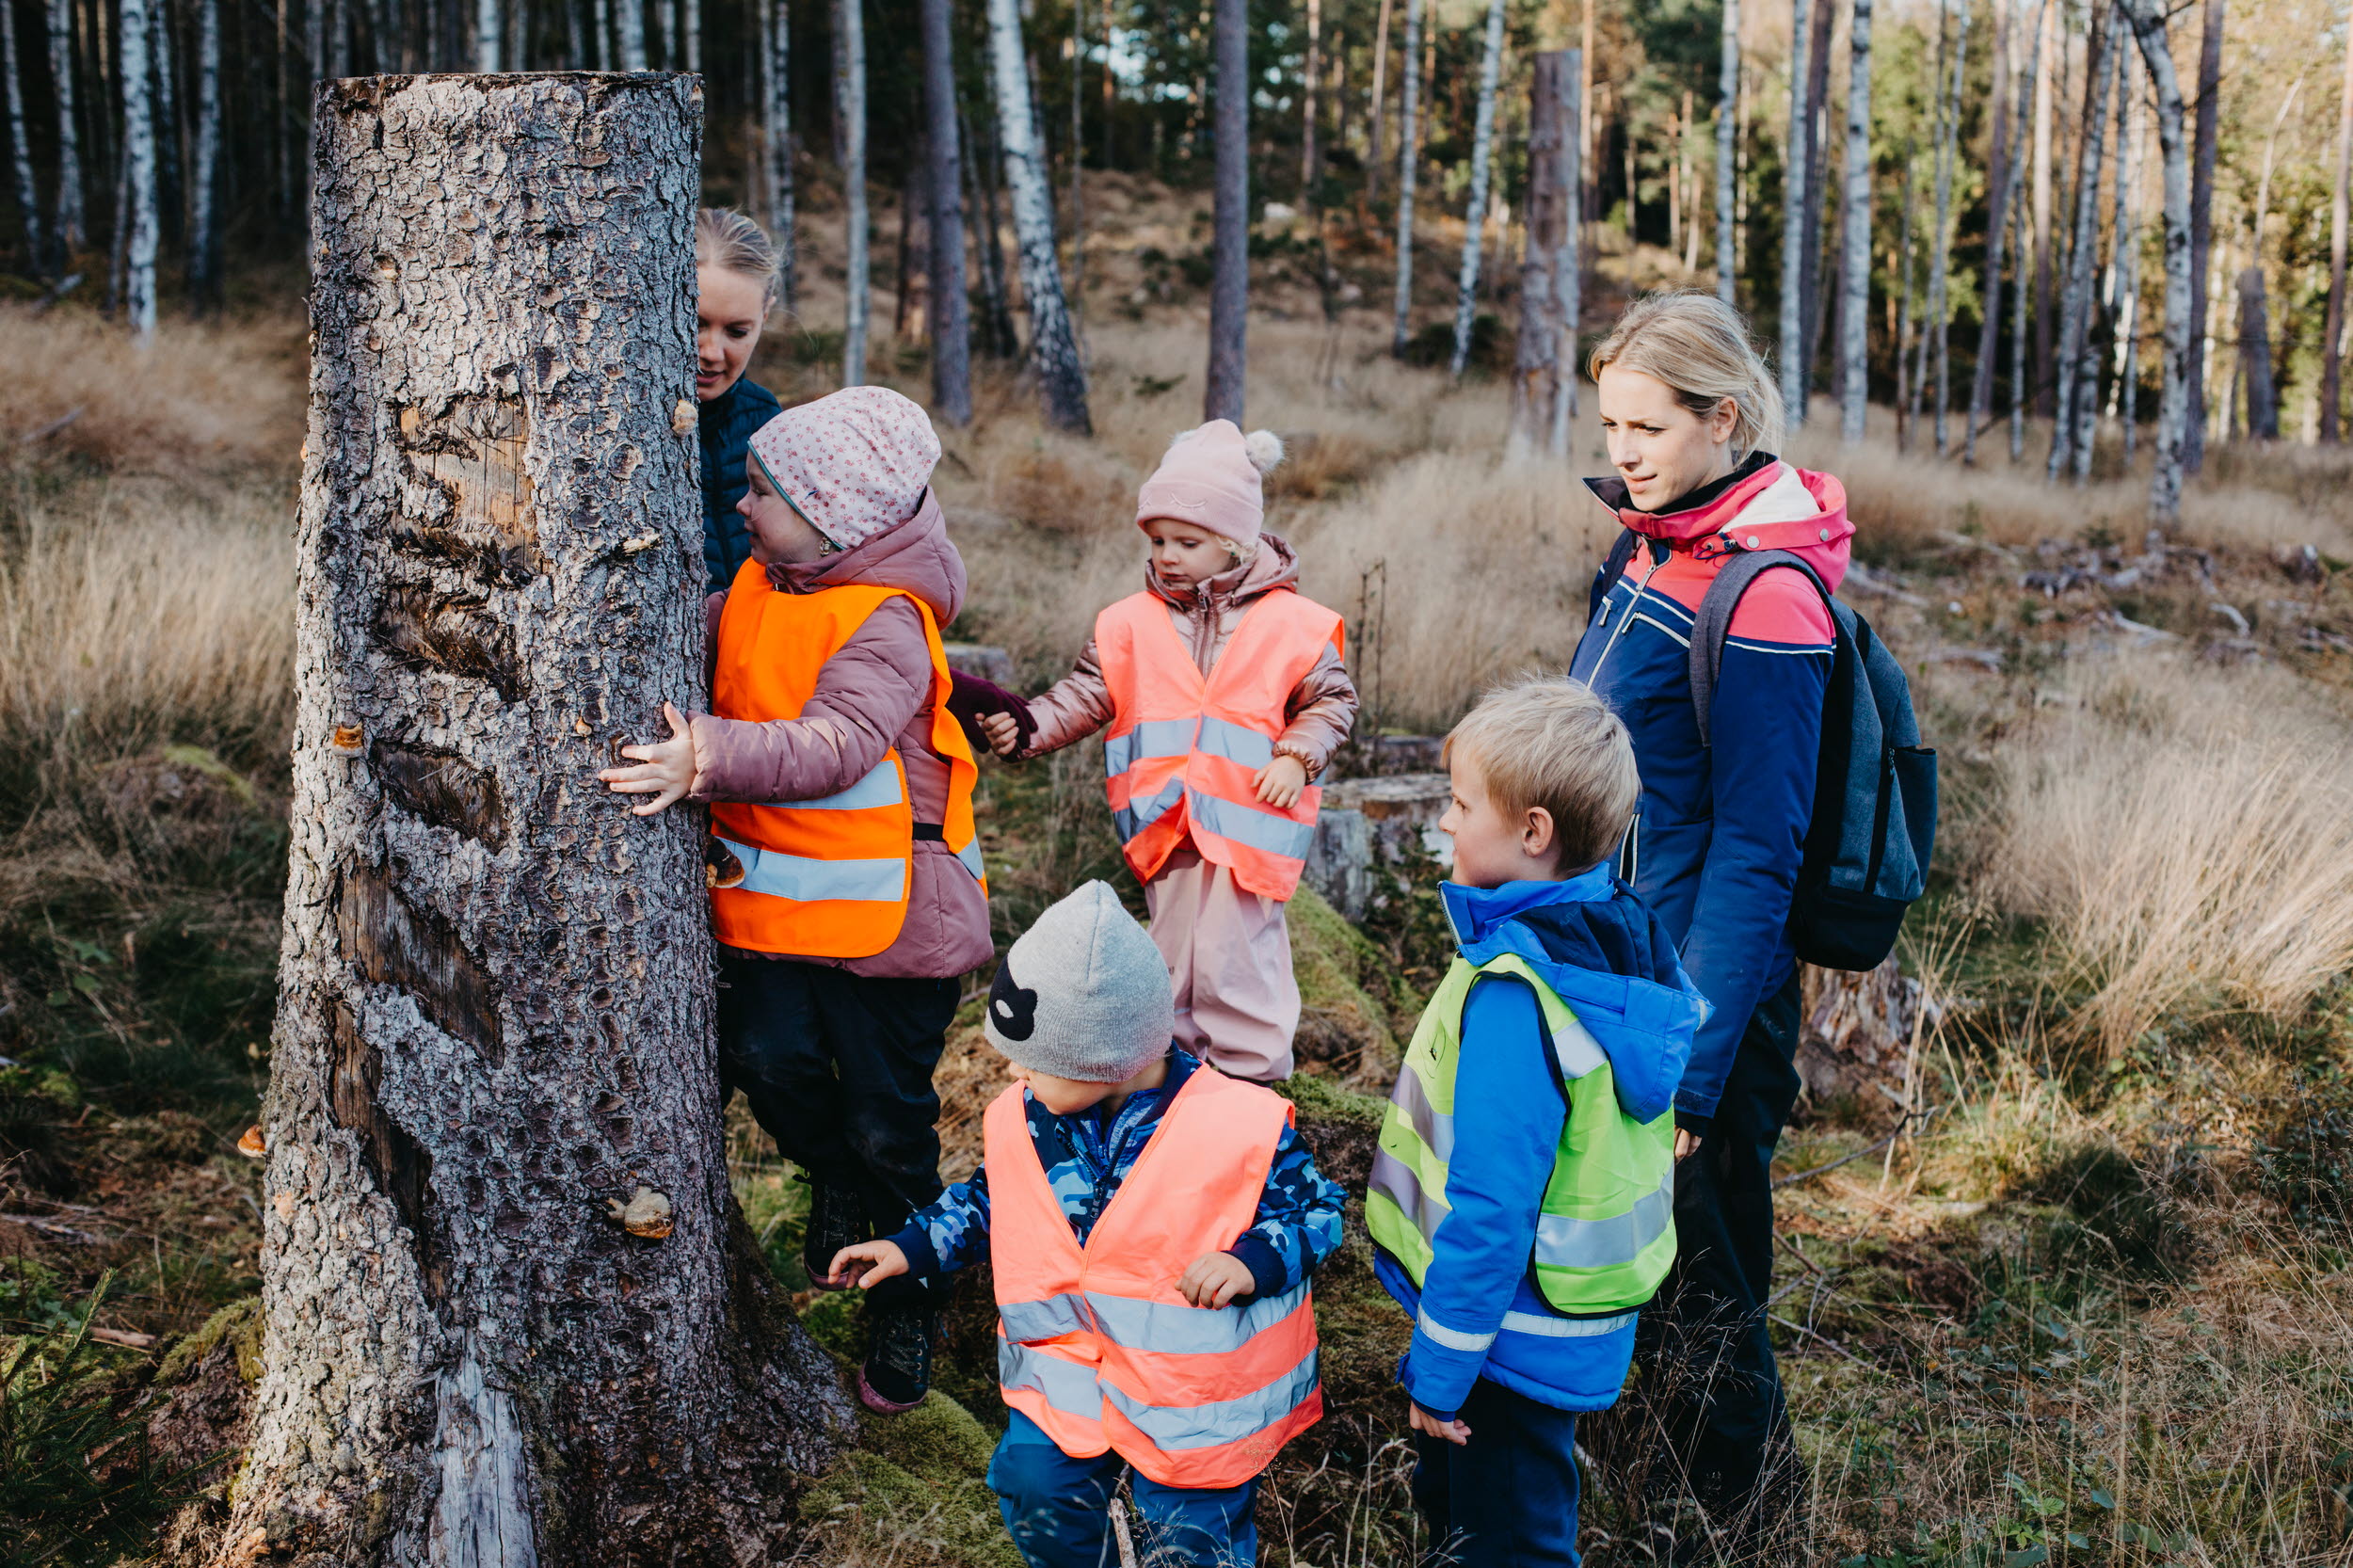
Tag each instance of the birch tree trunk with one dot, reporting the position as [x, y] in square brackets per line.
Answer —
[1408, 145]
[2332, 349]
[20, 146]
[849, 98]
[951, 307]
[138, 220]
[2202, 228]
[2082, 248]
[1308, 157]
[1727, 140]
[1229, 282]
[2124, 398]
[489, 34]
[1906, 396]
[2165, 480]
[1792, 323]
[1998, 178]
[204, 177]
[512, 1319]
[692, 21]
[1380, 103]
[980, 174]
[70, 233]
[2050, 39]
[1854, 234]
[2087, 367]
[1940, 296]
[1053, 352]
[1475, 220]
[2254, 346]
[1537, 370]
[777, 114]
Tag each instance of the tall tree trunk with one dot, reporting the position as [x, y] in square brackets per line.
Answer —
[2087, 389]
[2332, 349]
[980, 174]
[1588, 156]
[1907, 393]
[1940, 296]
[2083, 245]
[69, 232]
[950, 311]
[489, 36]
[137, 222]
[693, 22]
[1077, 164]
[1688, 193]
[1229, 282]
[1380, 103]
[1854, 232]
[1309, 156]
[20, 147]
[2029, 97]
[2051, 41]
[1475, 220]
[494, 1019]
[1816, 175]
[204, 178]
[1408, 139]
[1792, 323]
[1998, 177]
[1053, 352]
[2202, 228]
[2254, 346]
[1538, 370]
[1727, 138]
[2124, 398]
[2165, 481]
[849, 97]
[777, 106]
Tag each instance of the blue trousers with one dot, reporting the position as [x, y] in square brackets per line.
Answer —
[1508, 1497]
[1057, 1510]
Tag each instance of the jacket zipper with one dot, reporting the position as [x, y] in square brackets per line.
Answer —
[1594, 675]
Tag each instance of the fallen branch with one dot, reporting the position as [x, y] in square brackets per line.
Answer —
[52, 428]
[1815, 1334]
[1902, 1123]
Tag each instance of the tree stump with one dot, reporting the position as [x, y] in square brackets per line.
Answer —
[510, 1316]
[1368, 829]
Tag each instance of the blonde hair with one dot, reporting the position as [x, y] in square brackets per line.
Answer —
[1700, 347]
[731, 241]
[1547, 741]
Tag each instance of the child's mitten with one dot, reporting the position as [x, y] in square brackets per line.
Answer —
[972, 696]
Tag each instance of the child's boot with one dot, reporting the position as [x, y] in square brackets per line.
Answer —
[836, 1219]
[898, 1369]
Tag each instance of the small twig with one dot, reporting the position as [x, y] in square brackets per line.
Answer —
[1902, 1123]
[53, 426]
[1817, 1334]
[1797, 1252]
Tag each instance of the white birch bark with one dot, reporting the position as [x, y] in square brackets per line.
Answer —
[2165, 479]
[69, 210]
[488, 37]
[2126, 264]
[2031, 97]
[1727, 137]
[849, 97]
[1854, 234]
[1474, 220]
[1792, 325]
[777, 115]
[138, 163]
[20, 146]
[1408, 138]
[1053, 352]
[204, 177]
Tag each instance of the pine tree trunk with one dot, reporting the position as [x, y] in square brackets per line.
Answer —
[1313, 80]
[1792, 323]
[1998, 178]
[1938, 292]
[2083, 249]
[205, 214]
[777, 114]
[2254, 346]
[849, 97]
[1053, 352]
[2050, 39]
[982, 186]
[20, 147]
[137, 220]
[1474, 220]
[1816, 176]
[489, 32]
[1537, 370]
[1229, 282]
[1854, 232]
[69, 232]
[2029, 95]
[2201, 229]
[2332, 348]
[1408, 137]
[494, 1021]
[1078, 165]
[1380, 103]
[2164, 482]
[1906, 396]
[693, 22]
[1727, 138]
[951, 309]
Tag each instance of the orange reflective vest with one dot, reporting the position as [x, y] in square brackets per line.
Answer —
[1184, 747]
[825, 878]
[1094, 1344]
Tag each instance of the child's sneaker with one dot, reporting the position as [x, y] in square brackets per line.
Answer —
[898, 1369]
[836, 1219]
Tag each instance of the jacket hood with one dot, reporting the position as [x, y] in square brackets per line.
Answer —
[1274, 565]
[917, 557]
[1604, 953]
[1778, 506]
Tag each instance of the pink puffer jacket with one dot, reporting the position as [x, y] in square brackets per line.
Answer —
[873, 694]
[1321, 708]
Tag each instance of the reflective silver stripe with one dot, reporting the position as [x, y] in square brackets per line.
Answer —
[1248, 824]
[1068, 1386]
[1393, 1177]
[806, 880]
[1576, 1051]
[1132, 818]
[1566, 1328]
[970, 856]
[1453, 1339]
[1164, 1328]
[1152, 738]
[1435, 1127]
[880, 786]
[1045, 1320]
[1174, 1428]
[1235, 743]
[1563, 1242]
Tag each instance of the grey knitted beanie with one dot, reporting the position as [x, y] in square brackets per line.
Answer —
[1084, 993]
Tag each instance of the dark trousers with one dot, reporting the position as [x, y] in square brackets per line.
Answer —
[1508, 1497]
[1058, 1510]
[837, 1068]
[1705, 1355]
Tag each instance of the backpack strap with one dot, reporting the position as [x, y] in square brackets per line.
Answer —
[1714, 618]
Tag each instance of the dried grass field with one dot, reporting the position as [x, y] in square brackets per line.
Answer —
[2092, 1304]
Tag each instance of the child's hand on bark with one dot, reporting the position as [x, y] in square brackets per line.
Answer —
[1005, 734]
[887, 1262]
[1280, 781]
[1422, 1420]
[668, 770]
[1215, 1279]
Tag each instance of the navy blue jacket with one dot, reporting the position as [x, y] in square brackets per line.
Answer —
[725, 429]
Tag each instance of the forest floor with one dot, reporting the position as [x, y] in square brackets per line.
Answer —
[2083, 1295]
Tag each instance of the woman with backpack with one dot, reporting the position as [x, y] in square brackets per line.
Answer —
[1691, 417]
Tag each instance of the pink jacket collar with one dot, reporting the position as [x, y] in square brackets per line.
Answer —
[1779, 506]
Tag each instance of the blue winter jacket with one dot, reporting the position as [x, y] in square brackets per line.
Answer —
[726, 428]
[1479, 1312]
[1718, 841]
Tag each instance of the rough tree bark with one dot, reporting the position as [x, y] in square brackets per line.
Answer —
[512, 1316]
[139, 172]
[204, 178]
[1483, 157]
[1053, 352]
[849, 98]
[20, 146]
[2082, 248]
[2332, 348]
[1538, 371]
[777, 117]
[1998, 178]
[1727, 138]
[1408, 138]
[1854, 232]
[68, 211]
[1940, 297]
[2201, 226]
[2165, 480]
[951, 307]
[1792, 323]
[1229, 282]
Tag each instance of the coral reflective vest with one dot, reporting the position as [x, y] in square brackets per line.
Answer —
[1184, 747]
[1096, 1345]
[1605, 1234]
[825, 878]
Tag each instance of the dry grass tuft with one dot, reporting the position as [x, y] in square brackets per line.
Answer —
[203, 395]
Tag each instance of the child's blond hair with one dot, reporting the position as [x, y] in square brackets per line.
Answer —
[1547, 741]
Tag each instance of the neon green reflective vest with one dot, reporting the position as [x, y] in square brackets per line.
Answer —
[1605, 1234]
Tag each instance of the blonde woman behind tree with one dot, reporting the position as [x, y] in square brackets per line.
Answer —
[736, 281]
